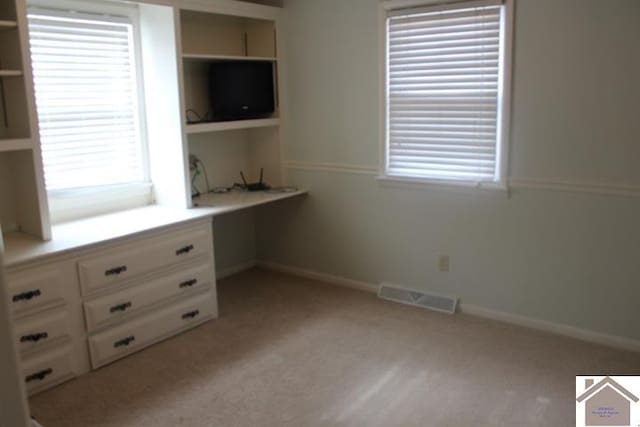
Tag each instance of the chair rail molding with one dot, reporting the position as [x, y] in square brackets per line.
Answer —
[332, 167]
[526, 183]
[606, 189]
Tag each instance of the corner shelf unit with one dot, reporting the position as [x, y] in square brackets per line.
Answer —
[23, 202]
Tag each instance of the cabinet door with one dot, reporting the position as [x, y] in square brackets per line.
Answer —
[36, 288]
[38, 330]
[121, 341]
[48, 369]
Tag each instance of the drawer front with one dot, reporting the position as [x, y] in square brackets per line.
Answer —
[48, 369]
[27, 291]
[129, 260]
[120, 341]
[110, 308]
[35, 331]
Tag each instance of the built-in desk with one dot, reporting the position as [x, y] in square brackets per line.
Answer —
[22, 248]
[108, 286]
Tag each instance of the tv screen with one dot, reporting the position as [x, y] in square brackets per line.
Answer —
[241, 90]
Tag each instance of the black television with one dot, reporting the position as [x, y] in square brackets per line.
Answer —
[241, 90]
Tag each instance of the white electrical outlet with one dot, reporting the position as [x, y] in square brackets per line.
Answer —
[444, 264]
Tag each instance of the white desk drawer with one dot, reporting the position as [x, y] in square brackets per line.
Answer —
[110, 308]
[120, 341]
[41, 329]
[118, 264]
[48, 369]
[32, 290]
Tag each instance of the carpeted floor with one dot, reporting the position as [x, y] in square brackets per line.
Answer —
[292, 352]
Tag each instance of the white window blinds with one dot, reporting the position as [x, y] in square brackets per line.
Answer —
[87, 99]
[443, 92]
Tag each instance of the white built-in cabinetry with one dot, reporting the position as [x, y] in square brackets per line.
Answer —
[178, 43]
[79, 306]
[91, 306]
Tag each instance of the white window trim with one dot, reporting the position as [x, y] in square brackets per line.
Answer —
[503, 127]
[74, 204]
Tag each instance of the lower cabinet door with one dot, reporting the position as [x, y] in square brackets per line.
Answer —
[101, 311]
[36, 331]
[122, 340]
[48, 368]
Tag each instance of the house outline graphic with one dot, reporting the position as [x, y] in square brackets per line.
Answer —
[607, 403]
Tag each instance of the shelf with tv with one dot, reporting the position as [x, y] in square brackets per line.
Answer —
[193, 128]
[230, 94]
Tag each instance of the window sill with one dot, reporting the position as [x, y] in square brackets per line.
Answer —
[499, 188]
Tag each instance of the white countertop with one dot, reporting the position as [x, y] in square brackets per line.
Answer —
[21, 248]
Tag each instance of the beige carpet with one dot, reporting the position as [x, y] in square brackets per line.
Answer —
[293, 352]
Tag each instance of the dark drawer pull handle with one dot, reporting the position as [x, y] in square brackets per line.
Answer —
[116, 271]
[191, 315]
[188, 283]
[27, 296]
[121, 307]
[34, 337]
[39, 376]
[185, 250]
[124, 342]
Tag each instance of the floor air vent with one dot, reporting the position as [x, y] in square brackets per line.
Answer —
[442, 303]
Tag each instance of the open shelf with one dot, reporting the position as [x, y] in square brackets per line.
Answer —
[8, 25]
[10, 73]
[231, 125]
[224, 35]
[16, 144]
[213, 58]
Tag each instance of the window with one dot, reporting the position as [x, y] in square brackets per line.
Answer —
[446, 93]
[88, 103]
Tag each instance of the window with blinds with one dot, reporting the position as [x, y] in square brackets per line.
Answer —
[444, 90]
[87, 99]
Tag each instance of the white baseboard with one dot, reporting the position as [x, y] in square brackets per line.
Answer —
[474, 310]
[238, 268]
[322, 277]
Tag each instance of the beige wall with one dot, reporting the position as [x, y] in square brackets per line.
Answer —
[564, 257]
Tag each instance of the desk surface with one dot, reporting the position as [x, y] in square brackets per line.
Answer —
[22, 248]
[236, 200]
